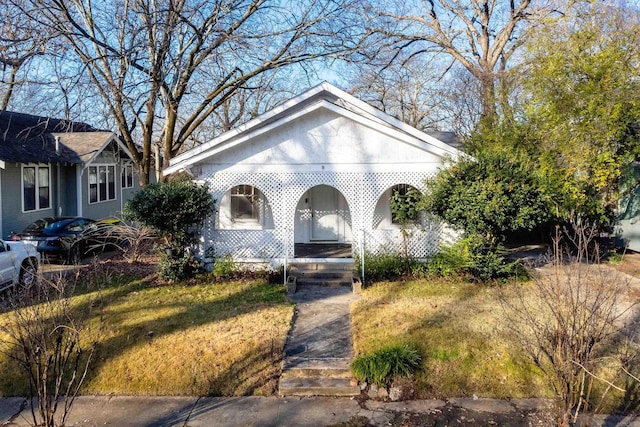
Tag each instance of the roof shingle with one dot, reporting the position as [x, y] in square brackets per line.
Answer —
[25, 138]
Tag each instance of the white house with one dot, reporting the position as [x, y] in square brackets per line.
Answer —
[313, 177]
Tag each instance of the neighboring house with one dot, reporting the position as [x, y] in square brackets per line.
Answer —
[317, 172]
[628, 220]
[52, 167]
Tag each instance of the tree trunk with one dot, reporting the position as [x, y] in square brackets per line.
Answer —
[10, 86]
[171, 119]
[488, 97]
[144, 174]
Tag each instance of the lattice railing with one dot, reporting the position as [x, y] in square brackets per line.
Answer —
[263, 244]
[420, 243]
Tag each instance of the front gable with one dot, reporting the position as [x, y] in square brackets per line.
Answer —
[320, 169]
[324, 137]
[325, 126]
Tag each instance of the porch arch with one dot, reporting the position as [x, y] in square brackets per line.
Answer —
[244, 207]
[323, 216]
[382, 215]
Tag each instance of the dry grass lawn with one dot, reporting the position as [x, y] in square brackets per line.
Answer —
[224, 339]
[202, 338]
[465, 337]
[459, 328]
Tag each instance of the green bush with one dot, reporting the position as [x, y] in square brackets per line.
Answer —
[176, 209]
[452, 260]
[224, 267]
[472, 257]
[385, 364]
[475, 257]
[175, 268]
[388, 266]
[495, 194]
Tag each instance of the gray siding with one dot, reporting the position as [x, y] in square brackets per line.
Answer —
[111, 208]
[64, 203]
[128, 193]
[13, 219]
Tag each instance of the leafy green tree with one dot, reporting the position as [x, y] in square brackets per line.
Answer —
[583, 103]
[494, 195]
[405, 211]
[176, 209]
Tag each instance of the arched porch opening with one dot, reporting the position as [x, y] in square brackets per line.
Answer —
[322, 224]
[244, 207]
[383, 216]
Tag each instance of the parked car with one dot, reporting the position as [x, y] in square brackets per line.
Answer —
[69, 239]
[18, 264]
[29, 234]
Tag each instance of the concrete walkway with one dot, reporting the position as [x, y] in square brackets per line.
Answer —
[126, 411]
[319, 349]
[322, 324]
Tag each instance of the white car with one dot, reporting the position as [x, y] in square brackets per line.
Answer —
[18, 264]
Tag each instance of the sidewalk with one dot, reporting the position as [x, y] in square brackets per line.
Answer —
[125, 411]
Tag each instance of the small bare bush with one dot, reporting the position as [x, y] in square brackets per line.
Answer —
[134, 240]
[53, 342]
[567, 321]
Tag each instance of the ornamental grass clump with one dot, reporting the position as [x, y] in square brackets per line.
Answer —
[382, 366]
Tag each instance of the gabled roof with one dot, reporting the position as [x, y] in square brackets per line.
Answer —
[87, 145]
[25, 138]
[326, 96]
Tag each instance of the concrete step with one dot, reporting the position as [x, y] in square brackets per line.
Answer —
[318, 386]
[316, 373]
[304, 281]
[321, 266]
[334, 367]
[294, 362]
[323, 274]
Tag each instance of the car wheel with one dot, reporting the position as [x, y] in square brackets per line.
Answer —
[28, 273]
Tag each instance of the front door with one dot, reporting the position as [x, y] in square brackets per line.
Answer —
[324, 213]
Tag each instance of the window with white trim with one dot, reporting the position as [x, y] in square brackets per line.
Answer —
[127, 176]
[245, 206]
[102, 183]
[36, 188]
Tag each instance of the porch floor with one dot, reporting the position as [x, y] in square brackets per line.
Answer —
[322, 250]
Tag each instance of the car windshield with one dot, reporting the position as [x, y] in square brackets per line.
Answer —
[56, 226]
[38, 225]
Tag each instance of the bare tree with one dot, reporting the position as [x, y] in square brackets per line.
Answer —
[569, 322]
[21, 40]
[53, 342]
[263, 93]
[481, 35]
[407, 90]
[145, 56]
[461, 96]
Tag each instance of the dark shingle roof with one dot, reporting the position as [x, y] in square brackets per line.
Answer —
[447, 137]
[25, 138]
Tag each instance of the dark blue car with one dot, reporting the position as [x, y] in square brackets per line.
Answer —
[67, 239]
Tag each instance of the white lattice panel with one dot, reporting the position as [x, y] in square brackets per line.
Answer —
[265, 244]
[283, 192]
[421, 243]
